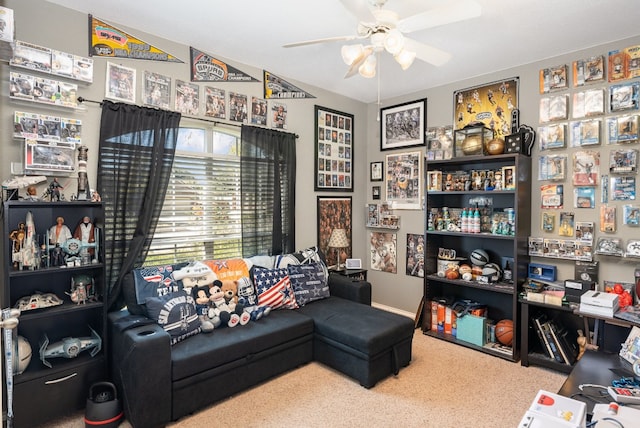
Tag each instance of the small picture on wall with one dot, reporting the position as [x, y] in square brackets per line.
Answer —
[120, 83]
[383, 251]
[415, 255]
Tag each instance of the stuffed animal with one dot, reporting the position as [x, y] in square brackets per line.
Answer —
[230, 290]
[201, 297]
[196, 279]
[218, 306]
[248, 298]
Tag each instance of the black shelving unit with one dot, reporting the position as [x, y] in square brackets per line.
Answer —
[61, 389]
[501, 298]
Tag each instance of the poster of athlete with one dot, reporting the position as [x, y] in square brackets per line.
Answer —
[490, 104]
[156, 90]
[187, 97]
[215, 102]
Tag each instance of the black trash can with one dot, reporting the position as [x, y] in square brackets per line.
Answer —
[103, 408]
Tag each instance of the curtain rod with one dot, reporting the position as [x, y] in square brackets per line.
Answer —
[215, 122]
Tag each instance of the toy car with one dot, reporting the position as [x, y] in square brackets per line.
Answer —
[69, 347]
[37, 301]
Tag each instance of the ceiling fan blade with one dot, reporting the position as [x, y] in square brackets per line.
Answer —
[427, 53]
[358, 8]
[358, 62]
[316, 41]
[458, 11]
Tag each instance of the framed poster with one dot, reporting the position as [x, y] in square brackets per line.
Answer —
[334, 213]
[383, 252]
[415, 255]
[333, 150]
[490, 104]
[376, 171]
[404, 180]
[403, 125]
[120, 83]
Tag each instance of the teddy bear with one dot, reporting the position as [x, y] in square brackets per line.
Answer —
[201, 297]
[229, 315]
[230, 290]
[247, 296]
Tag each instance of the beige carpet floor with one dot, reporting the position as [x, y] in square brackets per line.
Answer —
[445, 385]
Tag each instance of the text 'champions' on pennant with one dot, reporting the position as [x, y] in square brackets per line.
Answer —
[108, 41]
[276, 87]
[205, 68]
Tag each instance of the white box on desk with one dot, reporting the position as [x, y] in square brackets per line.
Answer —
[600, 298]
[602, 311]
[550, 410]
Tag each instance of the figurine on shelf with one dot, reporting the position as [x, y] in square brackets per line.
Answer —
[59, 232]
[54, 190]
[32, 194]
[17, 237]
[86, 234]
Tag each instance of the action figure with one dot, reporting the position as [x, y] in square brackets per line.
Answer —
[59, 233]
[54, 190]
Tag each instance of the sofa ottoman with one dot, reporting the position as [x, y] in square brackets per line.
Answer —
[363, 342]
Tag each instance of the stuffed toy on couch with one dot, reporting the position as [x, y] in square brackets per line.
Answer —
[223, 304]
[249, 299]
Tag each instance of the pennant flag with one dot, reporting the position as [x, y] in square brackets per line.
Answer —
[205, 68]
[107, 40]
[276, 87]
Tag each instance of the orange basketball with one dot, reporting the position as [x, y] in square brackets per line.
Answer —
[504, 332]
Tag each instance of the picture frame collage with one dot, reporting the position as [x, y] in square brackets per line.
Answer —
[333, 150]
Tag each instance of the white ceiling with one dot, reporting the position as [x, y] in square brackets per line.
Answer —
[252, 32]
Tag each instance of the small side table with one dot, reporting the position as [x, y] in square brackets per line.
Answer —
[359, 274]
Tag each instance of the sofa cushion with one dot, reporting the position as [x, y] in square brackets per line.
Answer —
[226, 345]
[309, 282]
[176, 314]
[364, 328]
[155, 281]
[274, 288]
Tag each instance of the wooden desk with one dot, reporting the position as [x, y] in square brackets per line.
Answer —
[597, 368]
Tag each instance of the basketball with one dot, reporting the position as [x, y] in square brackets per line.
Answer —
[492, 269]
[22, 354]
[472, 145]
[479, 257]
[504, 332]
[495, 146]
[464, 268]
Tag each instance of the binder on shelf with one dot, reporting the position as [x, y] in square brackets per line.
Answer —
[537, 323]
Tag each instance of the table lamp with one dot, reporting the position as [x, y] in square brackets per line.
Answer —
[337, 240]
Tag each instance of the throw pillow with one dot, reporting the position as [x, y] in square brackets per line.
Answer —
[176, 314]
[274, 288]
[228, 269]
[154, 281]
[309, 282]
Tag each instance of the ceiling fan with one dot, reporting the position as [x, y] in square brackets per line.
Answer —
[387, 33]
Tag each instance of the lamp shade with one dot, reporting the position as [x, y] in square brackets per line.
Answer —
[394, 42]
[405, 58]
[368, 68]
[350, 53]
[338, 239]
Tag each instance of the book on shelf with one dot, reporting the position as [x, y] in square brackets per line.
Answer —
[537, 324]
[546, 329]
[562, 343]
[568, 342]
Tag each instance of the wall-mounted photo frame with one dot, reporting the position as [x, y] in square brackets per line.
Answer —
[333, 150]
[376, 170]
[120, 84]
[334, 213]
[375, 192]
[404, 180]
[403, 125]
[490, 104]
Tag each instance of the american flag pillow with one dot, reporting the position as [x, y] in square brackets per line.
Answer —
[274, 288]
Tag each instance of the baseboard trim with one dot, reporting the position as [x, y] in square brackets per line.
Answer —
[392, 309]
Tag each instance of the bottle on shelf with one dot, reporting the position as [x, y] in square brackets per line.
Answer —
[464, 221]
[476, 221]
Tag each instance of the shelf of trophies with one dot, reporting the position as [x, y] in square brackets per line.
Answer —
[380, 216]
[54, 274]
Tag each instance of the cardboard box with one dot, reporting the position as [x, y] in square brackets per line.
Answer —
[550, 410]
[472, 329]
[600, 298]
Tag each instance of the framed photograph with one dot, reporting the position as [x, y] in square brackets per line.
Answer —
[120, 83]
[383, 251]
[490, 104]
[404, 180]
[509, 177]
[333, 150]
[334, 213]
[376, 171]
[375, 192]
[156, 90]
[403, 125]
[415, 255]
[434, 181]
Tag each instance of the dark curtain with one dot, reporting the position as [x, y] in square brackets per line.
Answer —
[268, 173]
[137, 147]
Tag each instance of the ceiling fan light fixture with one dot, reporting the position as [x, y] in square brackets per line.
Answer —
[351, 53]
[394, 42]
[368, 68]
[405, 58]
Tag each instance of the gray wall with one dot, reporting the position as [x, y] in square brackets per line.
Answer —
[33, 24]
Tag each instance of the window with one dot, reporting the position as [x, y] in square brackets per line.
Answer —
[200, 217]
